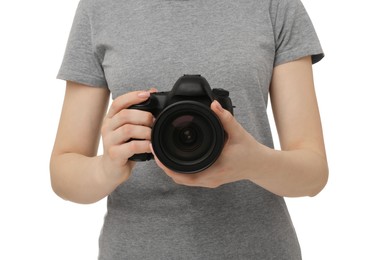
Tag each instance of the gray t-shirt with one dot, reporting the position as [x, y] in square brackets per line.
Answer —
[129, 45]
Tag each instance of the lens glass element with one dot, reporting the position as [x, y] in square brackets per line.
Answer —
[188, 137]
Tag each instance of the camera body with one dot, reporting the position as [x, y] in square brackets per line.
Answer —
[187, 136]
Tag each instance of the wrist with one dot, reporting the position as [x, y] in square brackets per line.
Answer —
[108, 177]
[261, 161]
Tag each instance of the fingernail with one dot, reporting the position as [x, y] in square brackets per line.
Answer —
[143, 94]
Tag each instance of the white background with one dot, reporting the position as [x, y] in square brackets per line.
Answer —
[342, 222]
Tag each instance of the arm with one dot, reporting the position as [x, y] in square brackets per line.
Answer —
[77, 173]
[300, 169]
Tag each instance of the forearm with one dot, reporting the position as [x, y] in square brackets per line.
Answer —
[80, 179]
[292, 173]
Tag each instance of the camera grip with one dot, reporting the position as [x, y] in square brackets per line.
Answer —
[141, 157]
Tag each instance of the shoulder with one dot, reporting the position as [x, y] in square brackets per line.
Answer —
[279, 9]
[279, 5]
[94, 10]
[91, 6]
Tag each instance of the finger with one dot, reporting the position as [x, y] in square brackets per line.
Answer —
[130, 116]
[126, 150]
[127, 100]
[127, 132]
[231, 126]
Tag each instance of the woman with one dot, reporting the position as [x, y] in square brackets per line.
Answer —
[233, 209]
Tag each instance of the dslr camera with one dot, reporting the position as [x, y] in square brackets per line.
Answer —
[187, 136]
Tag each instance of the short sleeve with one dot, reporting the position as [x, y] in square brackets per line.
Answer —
[295, 36]
[80, 62]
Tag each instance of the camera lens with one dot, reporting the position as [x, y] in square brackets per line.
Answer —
[187, 137]
[186, 134]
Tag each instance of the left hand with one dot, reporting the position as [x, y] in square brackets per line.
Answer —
[234, 163]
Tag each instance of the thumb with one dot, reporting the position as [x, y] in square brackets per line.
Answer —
[231, 126]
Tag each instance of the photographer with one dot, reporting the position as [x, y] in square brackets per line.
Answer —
[234, 209]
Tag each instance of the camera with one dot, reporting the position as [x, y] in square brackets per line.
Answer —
[187, 136]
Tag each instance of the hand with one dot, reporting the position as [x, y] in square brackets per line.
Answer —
[234, 162]
[121, 125]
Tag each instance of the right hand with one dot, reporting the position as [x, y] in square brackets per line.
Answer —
[121, 125]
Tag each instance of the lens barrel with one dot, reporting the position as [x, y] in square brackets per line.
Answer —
[187, 137]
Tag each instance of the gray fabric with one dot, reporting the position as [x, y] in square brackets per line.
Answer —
[129, 45]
